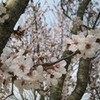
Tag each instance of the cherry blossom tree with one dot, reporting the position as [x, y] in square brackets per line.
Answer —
[58, 62]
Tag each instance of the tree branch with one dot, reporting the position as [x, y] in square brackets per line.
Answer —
[50, 64]
[64, 11]
[82, 8]
[12, 90]
[57, 90]
[80, 13]
[82, 79]
[83, 71]
[85, 27]
[16, 8]
[96, 20]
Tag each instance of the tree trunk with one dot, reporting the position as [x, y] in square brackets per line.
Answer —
[16, 8]
[57, 90]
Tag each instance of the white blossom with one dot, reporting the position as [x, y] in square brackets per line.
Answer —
[5, 55]
[86, 45]
[3, 13]
[51, 80]
[2, 9]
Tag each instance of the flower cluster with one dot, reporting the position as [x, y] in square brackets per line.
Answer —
[3, 13]
[20, 66]
[77, 21]
[87, 46]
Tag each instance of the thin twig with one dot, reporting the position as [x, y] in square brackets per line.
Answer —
[86, 27]
[97, 93]
[64, 11]
[11, 90]
[96, 20]
[50, 64]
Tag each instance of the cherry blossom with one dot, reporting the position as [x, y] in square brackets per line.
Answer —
[29, 60]
[3, 13]
[27, 76]
[86, 45]
[77, 21]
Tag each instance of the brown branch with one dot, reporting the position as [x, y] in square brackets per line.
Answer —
[50, 64]
[80, 13]
[8, 96]
[82, 79]
[83, 71]
[82, 8]
[85, 27]
[64, 11]
[35, 9]
[56, 91]
[96, 20]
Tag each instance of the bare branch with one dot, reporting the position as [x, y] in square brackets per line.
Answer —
[64, 11]
[96, 20]
[86, 27]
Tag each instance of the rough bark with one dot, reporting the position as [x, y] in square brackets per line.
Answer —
[82, 79]
[82, 8]
[16, 8]
[83, 72]
[80, 13]
[57, 90]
